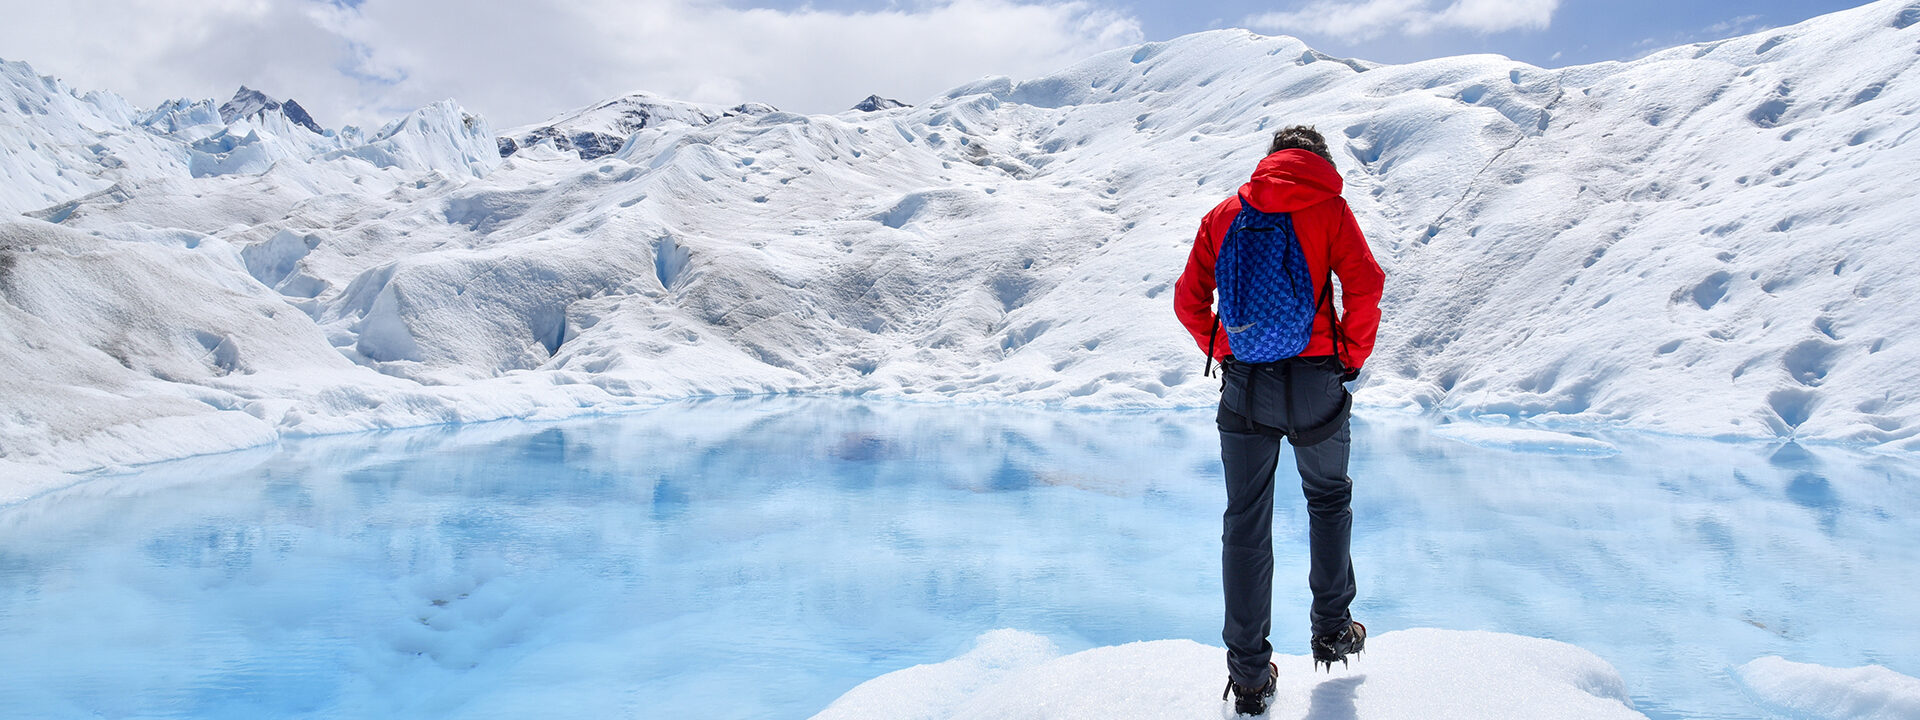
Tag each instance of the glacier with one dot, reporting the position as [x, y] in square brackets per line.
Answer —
[1711, 240]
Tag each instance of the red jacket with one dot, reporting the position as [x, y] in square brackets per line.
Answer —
[1307, 186]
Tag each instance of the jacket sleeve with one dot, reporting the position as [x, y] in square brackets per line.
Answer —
[1193, 292]
[1361, 282]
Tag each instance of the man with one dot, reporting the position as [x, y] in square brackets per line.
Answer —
[1295, 355]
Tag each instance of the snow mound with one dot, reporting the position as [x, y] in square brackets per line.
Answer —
[1423, 674]
[1519, 439]
[438, 136]
[1816, 691]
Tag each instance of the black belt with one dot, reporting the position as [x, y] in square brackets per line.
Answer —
[1299, 437]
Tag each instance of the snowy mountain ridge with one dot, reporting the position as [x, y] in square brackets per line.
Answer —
[58, 145]
[1712, 240]
[602, 129]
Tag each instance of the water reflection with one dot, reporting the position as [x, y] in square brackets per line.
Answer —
[645, 564]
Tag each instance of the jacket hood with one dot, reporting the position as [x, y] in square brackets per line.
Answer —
[1291, 180]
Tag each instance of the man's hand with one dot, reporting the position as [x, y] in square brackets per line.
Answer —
[1348, 376]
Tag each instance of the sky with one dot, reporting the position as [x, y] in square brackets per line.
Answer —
[517, 62]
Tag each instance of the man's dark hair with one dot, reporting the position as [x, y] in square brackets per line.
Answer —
[1300, 137]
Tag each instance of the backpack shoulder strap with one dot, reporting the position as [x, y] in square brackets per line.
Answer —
[1333, 312]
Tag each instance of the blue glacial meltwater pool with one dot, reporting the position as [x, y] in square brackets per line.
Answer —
[758, 558]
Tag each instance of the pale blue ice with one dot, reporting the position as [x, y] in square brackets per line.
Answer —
[760, 557]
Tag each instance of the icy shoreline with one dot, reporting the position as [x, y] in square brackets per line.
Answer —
[27, 480]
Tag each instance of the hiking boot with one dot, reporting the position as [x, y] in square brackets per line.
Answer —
[1252, 701]
[1328, 648]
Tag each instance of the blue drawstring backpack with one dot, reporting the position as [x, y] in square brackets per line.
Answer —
[1267, 304]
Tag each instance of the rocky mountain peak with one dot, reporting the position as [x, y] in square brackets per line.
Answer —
[875, 103]
[248, 102]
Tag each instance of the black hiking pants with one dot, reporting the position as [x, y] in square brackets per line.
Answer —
[1302, 400]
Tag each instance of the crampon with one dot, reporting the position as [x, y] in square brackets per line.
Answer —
[1250, 701]
[1328, 648]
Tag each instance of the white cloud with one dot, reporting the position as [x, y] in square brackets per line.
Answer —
[518, 61]
[1742, 25]
[1732, 27]
[1369, 19]
[154, 50]
[1490, 16]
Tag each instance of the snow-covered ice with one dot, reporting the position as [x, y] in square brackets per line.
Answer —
[1812, 691]
[1714, 240]
[1420, 673]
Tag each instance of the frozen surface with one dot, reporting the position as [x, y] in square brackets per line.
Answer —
[1011, 675]
[1523, 439]
[645, 563]
[1813, 691]
[1714, 240]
